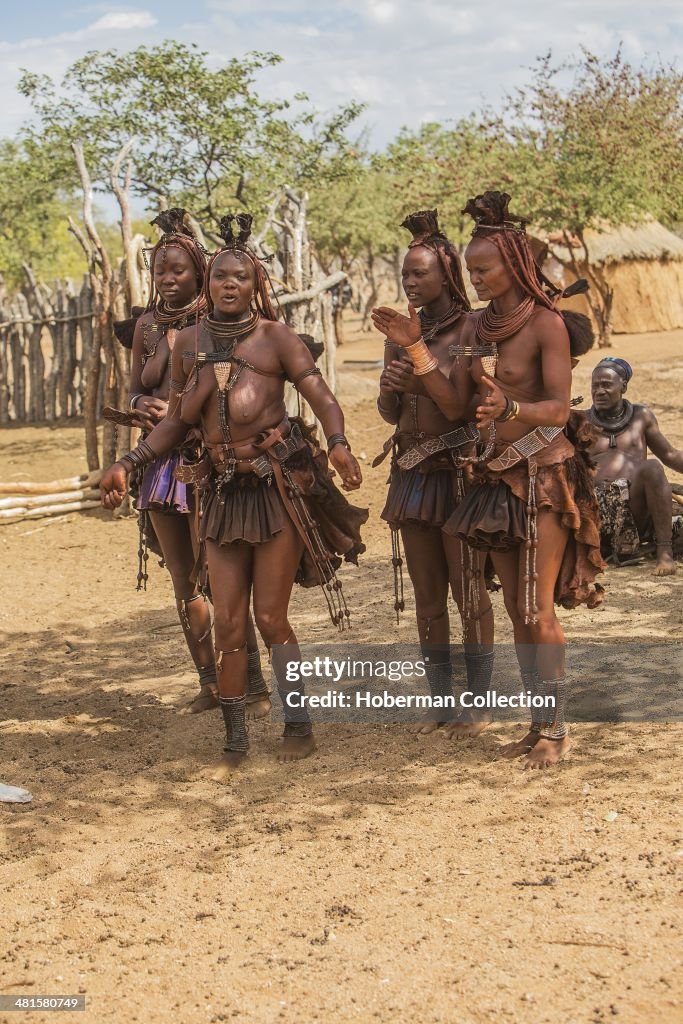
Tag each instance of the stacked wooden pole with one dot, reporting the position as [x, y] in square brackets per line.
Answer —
[55, 497]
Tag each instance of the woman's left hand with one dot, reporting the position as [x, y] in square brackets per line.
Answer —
[347, 467]
[402, 330]
[493, 406]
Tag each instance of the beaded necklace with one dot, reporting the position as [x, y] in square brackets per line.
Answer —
[432, 325]
[177, 317]
[225, 334]
[168, 320]
[490, 329]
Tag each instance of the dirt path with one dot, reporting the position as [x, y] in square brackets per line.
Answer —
[388, 878]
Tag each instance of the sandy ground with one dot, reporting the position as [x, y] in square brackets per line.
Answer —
[390, 877]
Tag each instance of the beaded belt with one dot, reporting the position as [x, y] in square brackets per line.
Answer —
[430, 444]
[439, 443]
[524, 448]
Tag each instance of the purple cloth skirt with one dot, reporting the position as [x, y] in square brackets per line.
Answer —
[160, 491]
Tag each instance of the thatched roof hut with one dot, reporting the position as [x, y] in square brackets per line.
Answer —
[644, 266]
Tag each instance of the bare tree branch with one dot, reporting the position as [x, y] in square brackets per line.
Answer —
[122, 194]
[268, 220]
[86, 185]
[81, 239]
[197, 230]
[304, 296]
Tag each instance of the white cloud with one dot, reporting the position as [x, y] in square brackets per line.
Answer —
[123, 21]
[449, 17]
[382, 11]
[632, 44]
[103, 7]
[407, 60]
[52, 55]
[444, 57]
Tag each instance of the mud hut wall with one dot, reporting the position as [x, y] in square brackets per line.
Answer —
[648, 294]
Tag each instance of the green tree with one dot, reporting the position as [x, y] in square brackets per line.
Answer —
[354, 225]
[441, 166]
[33, 216]
[34, 213]
[603, 150]
[204, 138]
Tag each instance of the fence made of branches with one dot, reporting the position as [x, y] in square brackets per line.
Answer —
[45, 334]
[58, 355]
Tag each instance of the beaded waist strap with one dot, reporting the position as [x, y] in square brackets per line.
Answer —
[524, 448]
[435, 444]
[428, 445]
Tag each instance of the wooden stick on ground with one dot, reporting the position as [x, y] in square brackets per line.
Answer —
[40, 500]
[74, 483]
[18, 515]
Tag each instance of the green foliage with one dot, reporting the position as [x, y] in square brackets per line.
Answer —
[439, 166]
[355, 214]
[34, 219]
[434, 166]
[605, 149]
[583, 144]
[33, 216]
[204, 137]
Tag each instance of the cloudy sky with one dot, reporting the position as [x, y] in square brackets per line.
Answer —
[409, 60]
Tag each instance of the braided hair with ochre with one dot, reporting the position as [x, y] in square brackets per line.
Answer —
[424, 227]
[237, 244]
[494, 222]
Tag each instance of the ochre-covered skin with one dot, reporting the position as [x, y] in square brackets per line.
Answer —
[531, 359]
[420, 500]
[623, 453]
[233, 421]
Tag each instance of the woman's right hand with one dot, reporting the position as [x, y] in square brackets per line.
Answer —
[113, 485]
[398, 378]
[150, 410]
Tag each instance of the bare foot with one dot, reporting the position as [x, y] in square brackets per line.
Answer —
[665, 561]
[425, 727]
[519, 747]
[228, 765]
[467, 728]
[547, 752]
[295, 748]
[258, 707]
[206, 700]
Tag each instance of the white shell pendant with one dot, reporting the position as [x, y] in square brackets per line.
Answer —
[222, 372]
[489, 364]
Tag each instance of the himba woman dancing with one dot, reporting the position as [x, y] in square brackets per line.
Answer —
[534, 508]
[177, 267]
[270, 512]
[425, 485]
